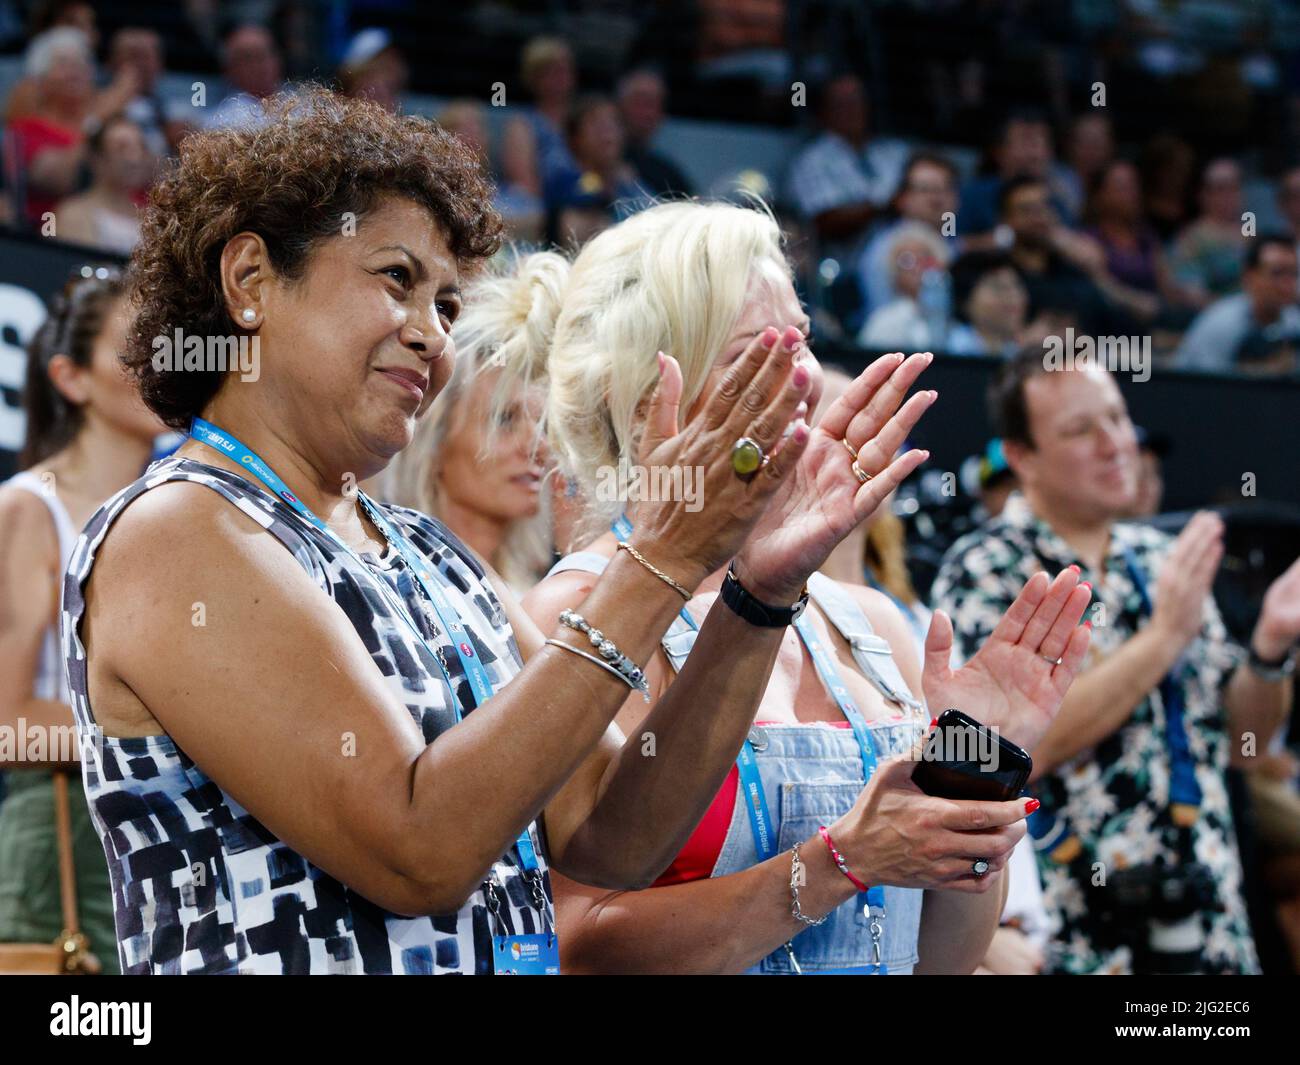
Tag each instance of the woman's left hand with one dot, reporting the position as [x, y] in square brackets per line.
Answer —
[1014, 683]
[822, 500]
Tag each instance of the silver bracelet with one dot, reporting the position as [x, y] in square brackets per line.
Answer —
[796, 878]
[592, 658]
[614, 660]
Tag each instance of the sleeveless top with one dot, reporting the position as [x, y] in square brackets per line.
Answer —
[49, 682]
[199, 884]
[811, 775]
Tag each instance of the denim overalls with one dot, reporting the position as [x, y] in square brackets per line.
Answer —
[812, 775]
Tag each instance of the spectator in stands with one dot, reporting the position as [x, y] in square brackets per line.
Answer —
[49, 140]
[1288, 202]
[1138, 273]
[536, 149]
[523, 214]
[1168, 166]
[1022, 148]
[595, 134]
[107, 215]
[742, 39]
[842, 180]
[927, 193]
[990, 303]
[473, 462]
[1256, 329]
[1089, 147]
[58, 14]
[641, 95]
[583, 211]
[1207, 255]
[914, 251]
[1103, 772]
[137, 52]
[1047, 257]
[1152, 449]
[373, 68]
[79, 14]
[250, 61]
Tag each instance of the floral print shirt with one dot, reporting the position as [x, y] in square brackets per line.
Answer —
[1113, 799]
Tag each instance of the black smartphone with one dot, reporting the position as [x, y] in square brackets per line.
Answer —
[964, 760]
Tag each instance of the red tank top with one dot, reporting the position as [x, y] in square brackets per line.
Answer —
[697, 859]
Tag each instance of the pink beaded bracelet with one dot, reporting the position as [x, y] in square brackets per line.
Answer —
[838, 859]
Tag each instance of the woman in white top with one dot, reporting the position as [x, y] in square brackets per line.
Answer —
[87, 435]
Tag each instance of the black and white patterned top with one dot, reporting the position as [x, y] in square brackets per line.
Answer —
[199, 885]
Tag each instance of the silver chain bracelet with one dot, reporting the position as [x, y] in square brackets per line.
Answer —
[797, 878]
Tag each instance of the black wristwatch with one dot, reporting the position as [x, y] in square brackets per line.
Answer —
[754, 611]
[1271, 671]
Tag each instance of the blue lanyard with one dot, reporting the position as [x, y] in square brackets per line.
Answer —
[751, 783]
[1183, 787]
[481, 685]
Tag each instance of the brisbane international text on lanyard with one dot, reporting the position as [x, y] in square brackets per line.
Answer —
[532, 954]
[751, 783]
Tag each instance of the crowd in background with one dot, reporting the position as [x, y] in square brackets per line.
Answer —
[1022, 214]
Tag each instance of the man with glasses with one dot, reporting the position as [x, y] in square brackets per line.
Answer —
[1257, 329]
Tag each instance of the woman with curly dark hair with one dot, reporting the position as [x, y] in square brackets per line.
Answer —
[307, 761]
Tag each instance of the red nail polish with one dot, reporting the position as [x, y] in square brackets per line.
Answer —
[1086, 584]
[1075, 568]
[770, 335]
[1088, 624]
[933, 721]
[1031, 805]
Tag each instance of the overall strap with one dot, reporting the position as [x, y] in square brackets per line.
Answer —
[676, 642]
[872, 653]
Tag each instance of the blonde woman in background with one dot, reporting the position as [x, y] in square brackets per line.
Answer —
[770, 880]
[473, 463]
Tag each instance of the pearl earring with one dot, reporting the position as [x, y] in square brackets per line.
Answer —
[249, 315]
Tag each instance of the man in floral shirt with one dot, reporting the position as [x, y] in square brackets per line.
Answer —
[1131, 774]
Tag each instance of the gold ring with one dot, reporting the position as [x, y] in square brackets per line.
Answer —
[862, 476]
[852, 451]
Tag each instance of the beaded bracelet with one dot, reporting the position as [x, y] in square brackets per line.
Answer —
[615, 660]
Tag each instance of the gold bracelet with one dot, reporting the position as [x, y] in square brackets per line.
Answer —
[625, 546]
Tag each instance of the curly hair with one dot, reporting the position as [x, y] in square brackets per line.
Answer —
[292, 182]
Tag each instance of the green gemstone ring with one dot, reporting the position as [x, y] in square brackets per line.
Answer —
[747, 458]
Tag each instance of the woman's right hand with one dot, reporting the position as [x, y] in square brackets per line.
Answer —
[756, 398]
[898, 835]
